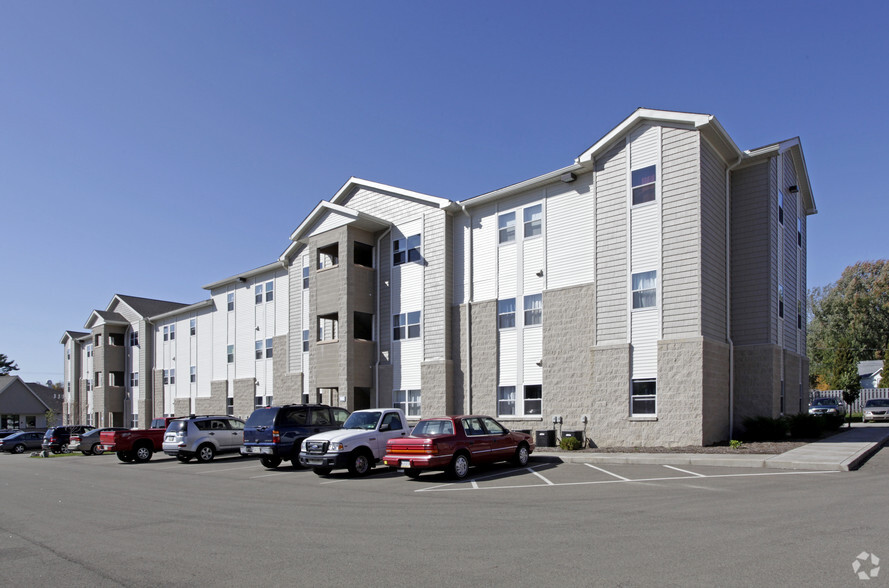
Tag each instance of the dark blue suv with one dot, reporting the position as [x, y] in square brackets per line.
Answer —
[274, 433]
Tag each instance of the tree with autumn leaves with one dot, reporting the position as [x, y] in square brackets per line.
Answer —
[848, 322]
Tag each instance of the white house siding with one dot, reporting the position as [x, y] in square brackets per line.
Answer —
[611, 246]
[644, 334]
[713, 246]
[775, 254]
[532, 356]
[328, 222]
[570, 233]
[294, 313]
[532, 265]
[461, 230]
[507, 270]
[484, 243]
[134, 360]
[508, 358]
[436, 295]
[680, 279]
[645, 247]
[407, 295]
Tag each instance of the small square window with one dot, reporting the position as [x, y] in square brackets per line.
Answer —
[506, 401]
[533, 399]
[644, 397]
[533, 309]
[644, 184]
[506, 313]
[506, 227]
[645, 289]
[533, 220]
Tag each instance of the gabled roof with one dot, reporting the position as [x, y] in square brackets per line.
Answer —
[7, 382]
[73, 335]
[869, 367]
[359, 219]
[794, 149]
[47, 395]
[147, 306]
[354, 182]
[706, 123]
[244, 276]
[103, 316]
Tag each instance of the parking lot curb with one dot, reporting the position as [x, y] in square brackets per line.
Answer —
[705, 459]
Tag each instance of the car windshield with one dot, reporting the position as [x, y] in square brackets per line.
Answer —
[362, 420]
[877, 402]
[432, 427]
[824, 402]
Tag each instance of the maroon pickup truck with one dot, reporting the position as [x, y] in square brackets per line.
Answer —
[136, 444]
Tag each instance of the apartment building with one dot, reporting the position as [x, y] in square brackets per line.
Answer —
[650, 293]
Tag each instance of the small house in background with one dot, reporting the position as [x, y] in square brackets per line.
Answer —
[870, 373]
[22, 406]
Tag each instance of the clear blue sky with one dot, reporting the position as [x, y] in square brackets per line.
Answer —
[211, 129]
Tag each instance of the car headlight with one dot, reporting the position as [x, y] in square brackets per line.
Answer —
[302, 446]
[336, 447]
[831, 410]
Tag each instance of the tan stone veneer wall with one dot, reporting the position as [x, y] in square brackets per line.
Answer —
[217, 401]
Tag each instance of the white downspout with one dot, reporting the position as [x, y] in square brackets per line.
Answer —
[379, 320]
[467, 405]
[728, 299]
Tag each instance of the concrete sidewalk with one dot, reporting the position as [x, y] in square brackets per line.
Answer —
[845, 451]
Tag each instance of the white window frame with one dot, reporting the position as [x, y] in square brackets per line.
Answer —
[193, 326]
[506, 228]
[172, 331]
[230, 354]
[230, 301]
[505, 315]
[305, 277]
[268, 348]
[409, 401]
[533, 221]
[640, 289]
[643, 398]
[134, 338]
[134, 379]
[269, 291]
[258, 349]
[406, 325]
[257, 294]
[644, 185]
[533, 316]
[193, 374]
[407, 249]
[506, 401]
[305, 340]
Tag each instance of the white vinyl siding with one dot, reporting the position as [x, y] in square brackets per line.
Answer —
[508, 357]
[484, 258]
[611, 246]
[644, 337]
[713, 248]
[570, 233]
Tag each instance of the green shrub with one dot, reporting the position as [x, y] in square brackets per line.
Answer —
[806, 426]
[569, 443]
[735, 444]
[763, 428]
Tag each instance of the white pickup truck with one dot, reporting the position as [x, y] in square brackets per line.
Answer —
[358, 446]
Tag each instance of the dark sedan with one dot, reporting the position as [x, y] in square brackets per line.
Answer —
[454, 443]
[21, 441]
[89, 443]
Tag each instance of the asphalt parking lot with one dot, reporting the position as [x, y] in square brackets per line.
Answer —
[93, 521]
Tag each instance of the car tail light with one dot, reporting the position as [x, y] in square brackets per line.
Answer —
[432, 449]
[52, 439]
[276, 437]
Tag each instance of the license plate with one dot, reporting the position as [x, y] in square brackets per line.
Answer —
[315, 462]
[405, 463]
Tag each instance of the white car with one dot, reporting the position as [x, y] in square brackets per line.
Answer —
[358, 446]
[876, 409]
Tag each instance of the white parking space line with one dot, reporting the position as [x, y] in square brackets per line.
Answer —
[549, 482]
[268, 475]
[462, 486]
[685, 471]
[607, 472]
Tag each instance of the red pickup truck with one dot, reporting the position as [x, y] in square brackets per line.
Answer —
[136, 444]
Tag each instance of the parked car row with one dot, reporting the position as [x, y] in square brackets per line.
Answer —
[315, 436]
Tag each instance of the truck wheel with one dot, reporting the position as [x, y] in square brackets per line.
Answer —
[270, 462]
[322, 471]
[125, 456]
[205, 453]
[142, 454]
[359, 463]
[294, 458]
[459, 467]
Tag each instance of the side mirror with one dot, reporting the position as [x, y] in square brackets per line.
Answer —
[385, 427]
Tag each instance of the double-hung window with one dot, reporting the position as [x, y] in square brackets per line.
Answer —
[305, 340]
[134, 379]
[230, 354]
[406, 326]
[305, 277]
[533, 309]
[506, 313]
[257, 290]
[645, 289]
[166, 333]
[269, 291]
[268, 348]
[259, 349]
[506, 401]
[134, 339]
[193, 326]
[533, 220]
[193, 374]
[644, 182]
[506, 227]
[780, 207]
[780, 301]
[231, 301]
[172, 376]
[408, 401]
[406, 250]
[643, 400]
[166, 377]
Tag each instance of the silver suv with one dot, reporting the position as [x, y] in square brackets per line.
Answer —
[203, 437]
